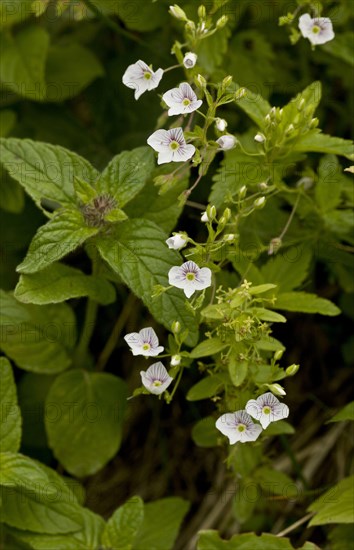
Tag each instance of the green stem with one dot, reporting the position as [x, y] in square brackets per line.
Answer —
[176, 384]
[86, 333]
[115, 334]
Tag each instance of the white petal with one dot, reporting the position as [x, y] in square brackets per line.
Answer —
[189, 288]
[184, 153]
[165, 156]
[225, 423]
[132, 339]
[254, 409]
[251, 434]
[305, 24]
[176, 277]
[156, 351]
[155, 79]
[159, 140]
[265, 420]
[148, 335]
[280, 411]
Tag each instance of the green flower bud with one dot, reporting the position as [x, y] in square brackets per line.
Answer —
[259, 203]
[202, 12]
[227, 81]
[227, 214]
[277, 389]
[200, 81]
[178, 13]
[314, 123]
[241, 92]
[290, 371]
[278, 354]
[211, 212]
[222, 22]
[242, 192]
[176, 327]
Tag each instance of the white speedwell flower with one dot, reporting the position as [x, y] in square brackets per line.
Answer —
[156, 379]
[145, 342]
[190, 277]
[181, 100]
[176, 242]
[171, 146]
[190, 60]
[238, 426]
[267, 408]
[220, 124]
[226, 142]
[141, 78]
[318, 30]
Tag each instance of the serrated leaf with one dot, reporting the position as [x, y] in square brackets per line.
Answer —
[36, 498]
[37, 338]
[45, 171]
[305, 302]
[64, 232]
[287, 270]
[87, 432]
[211, 51]
[23, 61]
[162, 520]
[10, 414]
[126, 174]
[87, 538]
[69, 69]
[205, 388]
[204, 432]
[137, 252]
[347, 413]
[59, 282]
[207, 347]
[316, 142]
[335, 505]
[124, 524]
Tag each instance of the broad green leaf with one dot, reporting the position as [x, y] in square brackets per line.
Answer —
[267, 315]
[162, 520]
[142, 16]
[69, 69]
[12, 197]
[45, 171]
[87, 538]
[137, 252]
[23, 61]
[305, 302]
[328, 187]
[316, 142]
[87, 432]
[237, 369]
[269, 344]
[207, 347]
[335, 505]
[37, 338]
[10, 418]
[212, 50]
[276, 483]
[341, 537]
[288, 269]
[126, 174]
[255, 106]
[259, 289]
[59, 282]
[64, 232]
[204, 432]
[124, 524]
[207, 387]
[210, 540]
[342, 47]
[35, 498]
[347, 413]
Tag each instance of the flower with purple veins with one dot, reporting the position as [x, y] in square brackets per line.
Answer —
[156, 379]
[145, 342]
[318, 30]
[190, 277]
[238, 426]
[141, 78]
[171, 146]
[181, 100]
[267, 408]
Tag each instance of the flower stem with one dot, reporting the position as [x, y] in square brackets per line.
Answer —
[86, 333]
[287, 225]
[176, 384]
[117, 329]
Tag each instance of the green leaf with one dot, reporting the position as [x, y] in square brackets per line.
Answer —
[162, 520]
[70, 68]
[45, 171]
[10, 418]
[23, 61]
[328, 187]
[60, 282]
[124, 524]
[267, 315]
[237, 370]
[316, 142]
[342, 47]
[126, 174]
[279, 427]
[207, 387]
[269, 344]
[64, 232]
[347, 413]
[88, 538]
[7, 120]
[341, 537]
[137, 252]
[276, 483]
[207, 347]
[12, 197]
[288, 269]
[259, 289]
[36, 497]
[87, 431]
[37, 338]
[335, 505]
[204, 432]
[255, 106]
[305, 302]
[212, 50]
[210, 540]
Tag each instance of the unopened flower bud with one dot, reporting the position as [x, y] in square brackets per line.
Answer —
[267, 118]
[241, 92]
[178, 13]
[277, 389]
[314, 123]
[306, 182]
[226, 142]
[211, 212]
[222, 22]
[274, 246]
[289, 129]
[227, 214]
[290, 371]
[190, 60]
[202, 12]
[220, 124]
[176, 242]
[242, 192]
[301, 105]
[175, 360]
[278, 354]
[200, 81]
[262, 186]
[260, 138]
[190, 26]
[259, 203]
[229, 237]
[176, 327]
[227, 81]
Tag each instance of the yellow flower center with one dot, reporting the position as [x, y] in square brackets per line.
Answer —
[146, 347]
[316, 29]
[174, 145]
[147, 76]
[190, 276]
[266, 410]
[156, 383]
[241, 427]
[186, 102]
